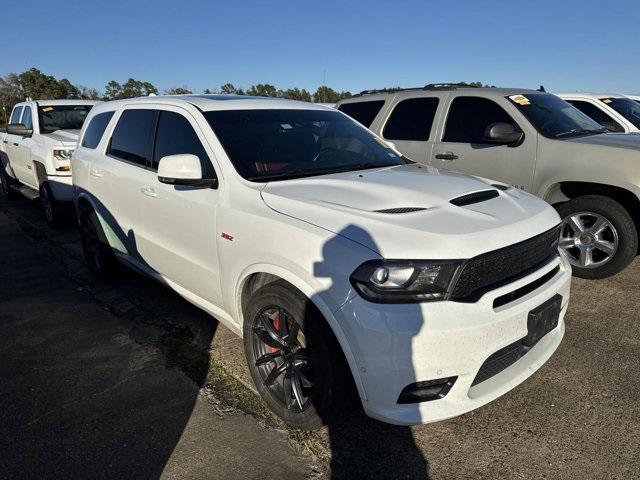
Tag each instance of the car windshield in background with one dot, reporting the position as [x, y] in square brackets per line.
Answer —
[268, 145]
[553, 117]
[62, 117]
[626, 107]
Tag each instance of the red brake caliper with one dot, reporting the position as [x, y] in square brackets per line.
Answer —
[276, 325]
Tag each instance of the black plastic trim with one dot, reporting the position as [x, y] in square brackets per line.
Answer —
[426, 391]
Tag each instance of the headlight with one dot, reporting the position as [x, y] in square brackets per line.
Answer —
[405, 281]
[63, 153]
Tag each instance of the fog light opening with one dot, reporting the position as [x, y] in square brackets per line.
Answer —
[426, 391]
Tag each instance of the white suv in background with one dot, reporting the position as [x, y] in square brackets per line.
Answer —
[617, 113]
[35, 152]
[339, 261]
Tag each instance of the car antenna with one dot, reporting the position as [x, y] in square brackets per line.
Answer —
[541, 88]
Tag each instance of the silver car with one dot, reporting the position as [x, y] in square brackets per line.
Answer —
[530, 140]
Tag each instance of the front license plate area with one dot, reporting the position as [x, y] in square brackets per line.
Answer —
[542, 320]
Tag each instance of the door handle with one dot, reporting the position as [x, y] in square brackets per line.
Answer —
[16, 144]
[449, 156]
[148, 191]
[4, 141]
[95, 173]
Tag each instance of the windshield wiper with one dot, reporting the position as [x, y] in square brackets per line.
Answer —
[580, 131]
[312, 173]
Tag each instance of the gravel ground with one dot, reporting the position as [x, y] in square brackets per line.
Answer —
[577, 417]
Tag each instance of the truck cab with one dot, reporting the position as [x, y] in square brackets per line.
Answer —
[617, 113]
[36, 149]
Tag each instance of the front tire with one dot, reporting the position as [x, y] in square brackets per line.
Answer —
[52, 208]
[598, 235]
[98, 255]
[294, 358]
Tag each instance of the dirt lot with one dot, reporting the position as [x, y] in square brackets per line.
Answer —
[578, 417]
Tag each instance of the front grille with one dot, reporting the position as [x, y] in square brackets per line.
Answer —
[499, 267]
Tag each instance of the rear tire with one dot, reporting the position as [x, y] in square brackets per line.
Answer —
[52, 208]
[5, 185]
[323, 383]
[98, 255]
[598, 235]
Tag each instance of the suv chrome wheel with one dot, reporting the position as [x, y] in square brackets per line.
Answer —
[282, 359]
[588, 239]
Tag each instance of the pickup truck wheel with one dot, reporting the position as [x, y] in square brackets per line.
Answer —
[5, 186]
[598, 235]
[53, 211]
[99, 257]
[293, 357]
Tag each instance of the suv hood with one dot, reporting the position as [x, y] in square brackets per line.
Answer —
[67, 138]
[617, 140]
[350, 204]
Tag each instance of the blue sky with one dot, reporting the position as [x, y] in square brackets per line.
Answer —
[568, 46]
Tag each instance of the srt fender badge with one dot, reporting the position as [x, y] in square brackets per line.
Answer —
[226, 236]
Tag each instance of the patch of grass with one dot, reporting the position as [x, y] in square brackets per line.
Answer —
[182, 351]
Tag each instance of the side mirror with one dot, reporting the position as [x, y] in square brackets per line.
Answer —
[503, 134]
[183, 169]
[19, 129]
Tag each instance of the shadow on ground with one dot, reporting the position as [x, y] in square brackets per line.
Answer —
[103, 380]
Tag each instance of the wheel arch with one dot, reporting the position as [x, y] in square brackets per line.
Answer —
[259, 275]
[40, 172]
[564, 191]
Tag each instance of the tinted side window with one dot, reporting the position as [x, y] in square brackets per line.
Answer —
[598, 115]
[363, 112]
[132, 138]
[27, 118]
[95, 129]
[15, 116]
[411, 119]
[469, 118]
[175, 136]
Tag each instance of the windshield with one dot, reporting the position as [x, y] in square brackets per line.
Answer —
[62, 117]
[553, 117]
[626, 107]
[268, 145]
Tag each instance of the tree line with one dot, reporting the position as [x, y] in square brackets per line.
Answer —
[34, 84]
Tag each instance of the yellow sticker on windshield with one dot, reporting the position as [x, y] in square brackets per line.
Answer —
[520, 99]
[47, 109]
[607, 100]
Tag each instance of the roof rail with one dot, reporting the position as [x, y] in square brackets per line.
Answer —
[430, 86]
[447, 86]
[384, 90]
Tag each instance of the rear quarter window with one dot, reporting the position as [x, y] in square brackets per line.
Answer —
[363, 112]
[95, 129]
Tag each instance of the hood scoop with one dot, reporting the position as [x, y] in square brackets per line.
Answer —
[396, 211]
[475, 197]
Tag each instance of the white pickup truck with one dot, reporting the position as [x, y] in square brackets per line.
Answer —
[35, 152]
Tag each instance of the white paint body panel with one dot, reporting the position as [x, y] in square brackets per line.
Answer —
[314, 233]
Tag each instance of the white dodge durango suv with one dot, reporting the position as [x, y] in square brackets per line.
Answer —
[339, 261]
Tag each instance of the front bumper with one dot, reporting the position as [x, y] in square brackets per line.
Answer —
[395, 345]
